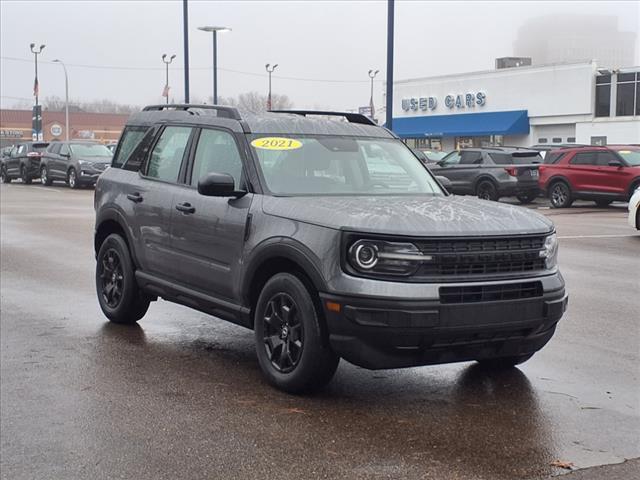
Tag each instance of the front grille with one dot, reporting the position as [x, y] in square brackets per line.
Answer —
[490, 293]
[478, 256]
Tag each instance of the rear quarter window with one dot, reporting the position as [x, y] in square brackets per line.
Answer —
[130, 139]
[553, 157]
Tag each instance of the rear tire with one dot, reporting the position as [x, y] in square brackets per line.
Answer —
[72, 179]
[44, 176]
[527, 198]
[120, 298]
[291, 344]
[3, 174]
[504, 363]
[486, 190]
[560, 195]
[24, 175]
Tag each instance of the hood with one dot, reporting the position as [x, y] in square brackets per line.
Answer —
[419, 216]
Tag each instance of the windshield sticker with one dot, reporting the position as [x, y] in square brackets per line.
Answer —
[276, 143]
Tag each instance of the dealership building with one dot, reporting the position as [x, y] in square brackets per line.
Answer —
[522, 106]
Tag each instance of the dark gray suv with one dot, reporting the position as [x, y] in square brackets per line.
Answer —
[78, 163]
[328, 238]
[492, 172]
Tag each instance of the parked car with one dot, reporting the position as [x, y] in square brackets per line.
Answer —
[78, 163]
[286, 224]
[492, 172]
[601, 174]
[23, 162]
[434, 156]
[634, 209]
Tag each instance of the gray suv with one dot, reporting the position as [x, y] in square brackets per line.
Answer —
[78, 163]
[329, 239]
[492, 172]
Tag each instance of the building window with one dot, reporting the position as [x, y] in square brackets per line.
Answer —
[599, 141]
[542, 140]
[557, 140]
[603, 95]
[571, 139]
[626, 94]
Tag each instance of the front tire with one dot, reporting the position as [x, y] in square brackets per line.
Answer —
[118, 294]
[504, 363]
[24, 175]
[3, 174]
[44, 176]
[560, 195]
[486, 190]
[72, 179]
[291, 344]
[527, 198]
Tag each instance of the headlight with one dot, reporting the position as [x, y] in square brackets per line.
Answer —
[385, 258]
[550, 251]
[85, 163]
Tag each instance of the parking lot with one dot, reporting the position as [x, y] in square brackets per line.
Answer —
[181, 395]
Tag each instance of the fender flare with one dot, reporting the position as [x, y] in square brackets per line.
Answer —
[281, 247]
[112, 214]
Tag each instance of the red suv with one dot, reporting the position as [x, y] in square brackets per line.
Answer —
[601, 174]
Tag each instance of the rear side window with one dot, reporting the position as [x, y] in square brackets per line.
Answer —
[131, 137]
[553, 157]
[587, 158]
[135, 159]
[166, 156]
[501, 158]
[470, 158]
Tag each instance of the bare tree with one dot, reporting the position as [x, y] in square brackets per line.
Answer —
[254, 102]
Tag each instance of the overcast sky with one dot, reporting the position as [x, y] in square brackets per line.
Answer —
[324, 49]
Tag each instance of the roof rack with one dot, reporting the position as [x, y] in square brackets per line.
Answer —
[222, 111]
[349, 116]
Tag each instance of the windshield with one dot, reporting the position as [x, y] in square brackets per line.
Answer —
[340, 165]
[90, 150]
[632, 157]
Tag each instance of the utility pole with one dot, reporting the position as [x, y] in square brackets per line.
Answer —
[36, 121]
[270, 70]
[185, 28]
[390, 5]
[165, 92]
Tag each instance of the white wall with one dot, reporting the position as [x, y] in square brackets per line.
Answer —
[616, 130]
[564, 89]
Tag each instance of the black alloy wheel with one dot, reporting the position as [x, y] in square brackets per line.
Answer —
[560, 195]
[283, 333]
[486, 190]
[72, 178]
[527, 198]
[5, 177]
[44, 176]
[112, 277]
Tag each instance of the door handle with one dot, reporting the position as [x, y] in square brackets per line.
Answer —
[186, 207]
[134, 197]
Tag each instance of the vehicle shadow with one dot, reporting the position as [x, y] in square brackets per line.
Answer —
[423, 420]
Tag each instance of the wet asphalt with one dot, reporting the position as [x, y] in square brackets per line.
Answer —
[181, 395]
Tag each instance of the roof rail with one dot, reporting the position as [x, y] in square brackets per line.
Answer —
[222, 111]
[349, 116]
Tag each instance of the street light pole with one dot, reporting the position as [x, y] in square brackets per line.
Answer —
[390, 7]
[185, 27]
[270, 70]
[215, 31]
[37, 114]
[372, 75]
[66, 99]
[166, 84]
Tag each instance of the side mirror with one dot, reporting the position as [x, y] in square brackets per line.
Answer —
[444, 181]
[65, 155]
[218, 185]
[440, 163]
[615, 163]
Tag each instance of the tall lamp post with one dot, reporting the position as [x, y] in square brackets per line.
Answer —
[165, 92]
[66, 99]
[372, 75]
[215, 31]
[270, 70]
[36, 123]
[390, 9]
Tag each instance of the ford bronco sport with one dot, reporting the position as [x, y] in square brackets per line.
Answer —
[329, 239]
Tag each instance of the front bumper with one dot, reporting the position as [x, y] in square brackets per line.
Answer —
[89, 176]
[381, 333]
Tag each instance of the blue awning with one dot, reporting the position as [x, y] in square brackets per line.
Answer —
[515, 122]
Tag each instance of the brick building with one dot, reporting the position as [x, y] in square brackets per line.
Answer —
[15, 126]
